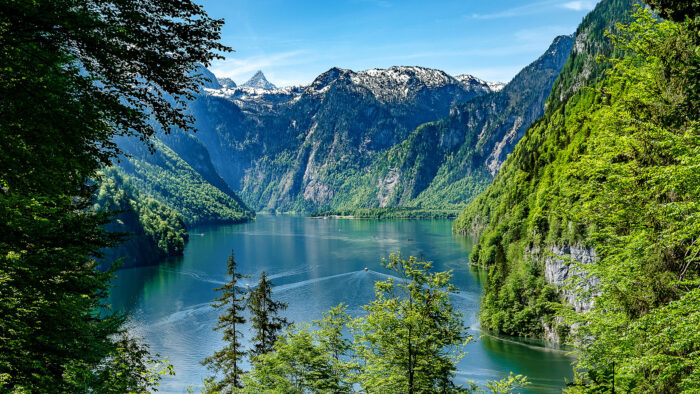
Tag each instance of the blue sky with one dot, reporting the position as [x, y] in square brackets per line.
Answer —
[294, 41]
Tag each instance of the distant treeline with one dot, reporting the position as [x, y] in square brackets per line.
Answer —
[390, 213]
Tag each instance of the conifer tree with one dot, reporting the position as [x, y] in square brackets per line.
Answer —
[228, 360]
[267, 324]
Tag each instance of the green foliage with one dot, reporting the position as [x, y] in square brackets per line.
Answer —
[73, 75]
[638, 184]
[410, 339]
[227, 361]
[507, 385]
[265, 319]
[676, 10]
[299, 362]
[516, 216]
[162, 175]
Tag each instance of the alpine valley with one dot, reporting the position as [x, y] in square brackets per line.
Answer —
[510, 159]
[564, 205]
[411, 139]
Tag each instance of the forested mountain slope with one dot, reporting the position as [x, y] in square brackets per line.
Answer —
[153, 230]
[510, 215]
[599, 204]
[191, 187]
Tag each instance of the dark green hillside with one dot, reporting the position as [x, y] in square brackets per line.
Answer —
[166, 177]
[154, 229]
[599, 204]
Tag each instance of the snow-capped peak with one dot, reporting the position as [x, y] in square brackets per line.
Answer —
[259, 81]
[226, 83]
[471, 80]
[401, 81]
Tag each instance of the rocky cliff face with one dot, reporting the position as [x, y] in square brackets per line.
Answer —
[446, 163]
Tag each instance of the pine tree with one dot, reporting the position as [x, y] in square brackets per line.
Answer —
[264, 311]
[228, 360]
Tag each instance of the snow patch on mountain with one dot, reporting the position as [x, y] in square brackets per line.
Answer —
[226, 82]
[473, 81]
[259, 81]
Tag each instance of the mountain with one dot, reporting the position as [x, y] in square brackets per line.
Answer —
[446, 163]
[291, 149]
[187, 184]
[403, 136]
[469, 79]
[226, 83]
[155, 230]
[523, 243]
[259, 81]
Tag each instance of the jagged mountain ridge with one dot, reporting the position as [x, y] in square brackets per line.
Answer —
[282, 148]
[334, 143]
[446, 163]
[259, 81]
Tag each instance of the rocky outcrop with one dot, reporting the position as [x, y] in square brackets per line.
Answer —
[563, 268]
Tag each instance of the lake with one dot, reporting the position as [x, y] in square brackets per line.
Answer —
[314, 264]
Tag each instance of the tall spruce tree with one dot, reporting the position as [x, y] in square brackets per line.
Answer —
[73, 74]
[227, 361]
[267, 324]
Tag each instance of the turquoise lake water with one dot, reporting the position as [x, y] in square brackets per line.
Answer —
[314, 264]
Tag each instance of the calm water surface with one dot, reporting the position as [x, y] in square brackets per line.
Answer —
[315, 264]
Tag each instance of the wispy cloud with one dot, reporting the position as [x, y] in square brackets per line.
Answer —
[539, 7]
[238, 68]
[580, 5]
[526, 9]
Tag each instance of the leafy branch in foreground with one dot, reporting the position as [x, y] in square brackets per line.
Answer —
[73, 75]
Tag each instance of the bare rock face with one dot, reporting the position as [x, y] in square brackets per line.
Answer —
[386, 186]
[563, 269]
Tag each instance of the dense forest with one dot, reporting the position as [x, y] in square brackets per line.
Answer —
[75, 74]
[599, 203]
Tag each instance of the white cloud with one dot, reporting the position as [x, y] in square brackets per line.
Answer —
[240, 69]
[538, 8]
[580, 5]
